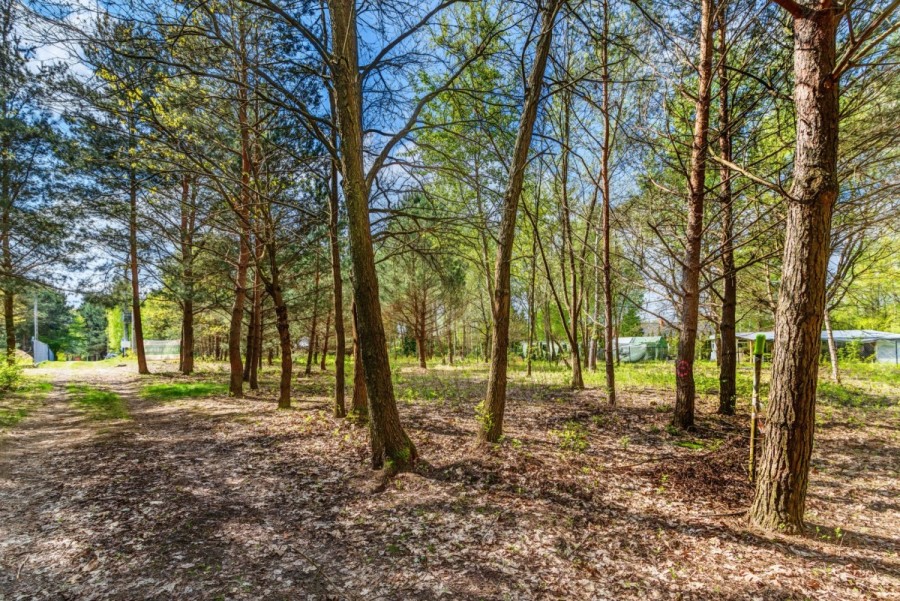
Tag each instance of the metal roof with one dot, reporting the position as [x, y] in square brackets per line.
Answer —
[839, 335]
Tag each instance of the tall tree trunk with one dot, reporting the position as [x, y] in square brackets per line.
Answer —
[250, 346]
[690, 275]
[532, 309]
[574, 308]
[242, 213]
[491, 426]
[137, 324]
[783, 474]
[337, 289]
[420, 308]
[188, 223]
[832, 349]
[315, 318]
[727, 355]
[607, 266]
[391, 447]
[595, 310]
[5, 230]
[450, 344]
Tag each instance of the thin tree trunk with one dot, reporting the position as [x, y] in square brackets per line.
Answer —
[420, 307]
[832, 349]
[242, 213]
[188, 218]
[783, 474]
[8, 294]
[491, 426]
[690, 275]
[325, 343]
[727, 355]
[532, 310]
[607, 266]
[390, 445]
[315, 317]
[337, 290]
[250, 346]
[137, 324]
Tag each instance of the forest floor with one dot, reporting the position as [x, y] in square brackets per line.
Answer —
[115, 486]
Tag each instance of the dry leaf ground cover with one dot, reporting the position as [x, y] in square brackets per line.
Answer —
[115, 487]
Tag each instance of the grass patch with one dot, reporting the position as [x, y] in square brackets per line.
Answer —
[182, 390]
[99, 404]
[16, 405]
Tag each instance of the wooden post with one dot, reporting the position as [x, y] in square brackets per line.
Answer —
[759, 347]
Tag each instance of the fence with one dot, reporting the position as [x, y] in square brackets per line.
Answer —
[42, 352]
[162, 350]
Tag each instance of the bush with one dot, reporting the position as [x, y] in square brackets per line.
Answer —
[10, 375]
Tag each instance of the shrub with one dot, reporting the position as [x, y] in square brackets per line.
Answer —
[10, 376]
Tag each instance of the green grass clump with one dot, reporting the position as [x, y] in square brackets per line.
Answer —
[182, 390]
[18, 403]
[99, 404]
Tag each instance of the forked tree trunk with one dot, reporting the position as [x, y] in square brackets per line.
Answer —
[783, 472]
[607, 266]
[391, 447]
[491, 416]
[727, 355]
[690, 274]
[832, 350]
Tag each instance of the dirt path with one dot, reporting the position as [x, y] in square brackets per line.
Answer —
[156, 506]
[217, 498]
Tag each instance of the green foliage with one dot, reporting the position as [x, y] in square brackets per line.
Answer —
[97, 403]
[572, 437]
[183, 390]
[115, 329]
[10, 376]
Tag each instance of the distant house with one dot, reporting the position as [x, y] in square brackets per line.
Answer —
[884, 346]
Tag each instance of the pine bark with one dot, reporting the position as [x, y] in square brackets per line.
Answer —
[311, 347]
[359, 402]
[137, 323]
[325, 343]
[607, 265]
[391, 447]
[690, 276]
[783, 473]
[491, 427]
[188, 216]
[282, 325]
[242, 214]
[337, 291]
[727, 355]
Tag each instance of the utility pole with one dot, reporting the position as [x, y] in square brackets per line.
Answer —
[35, 318]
